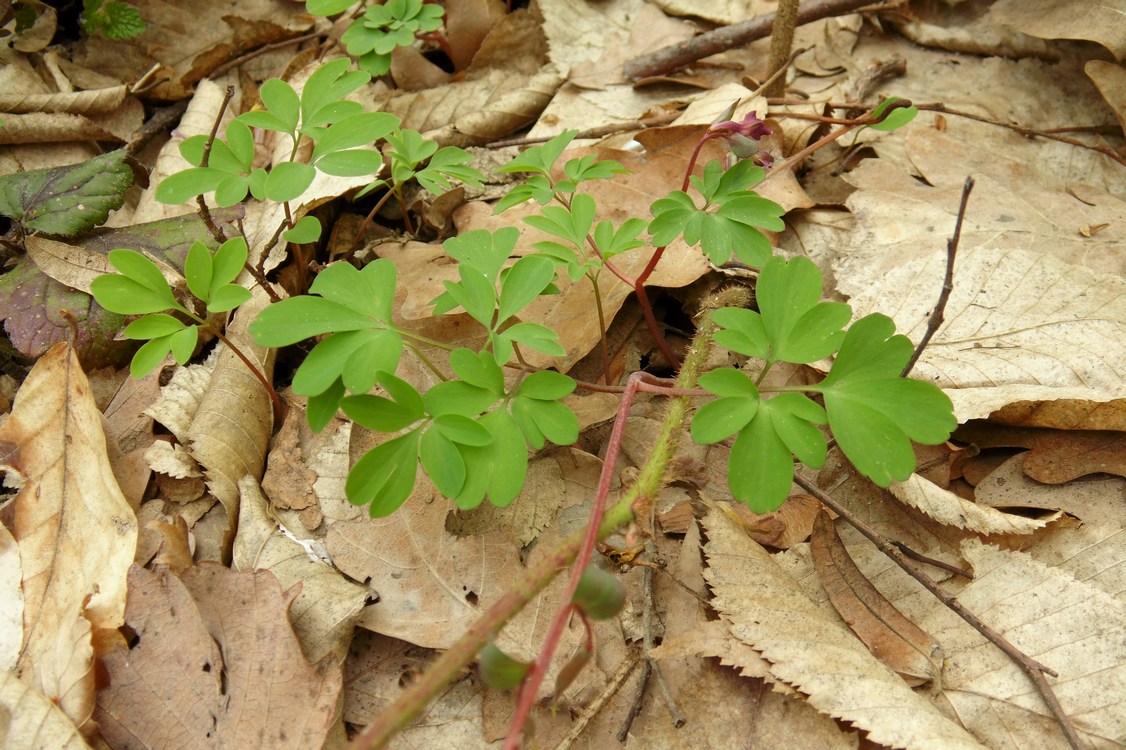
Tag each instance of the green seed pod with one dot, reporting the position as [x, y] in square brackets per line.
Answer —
[499, 670]
[600, 595]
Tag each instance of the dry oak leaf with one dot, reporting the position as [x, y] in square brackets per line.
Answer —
[813, 651]
[1054, 456]
[75, 530]
[891, 636]
[215, 664]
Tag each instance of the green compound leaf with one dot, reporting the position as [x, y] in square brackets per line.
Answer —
[449, 163]
[181, 344]
[546, 385]
[353, 131]
[442, 462]
[536, 187]
[355, 357]
[478, 369]
[282, 102]
[572, 225]
[320, 409]
[545, 420]
[732, 228]
[402, 409]
[590, 167]
[459, 397]
[307, 229]
[384, 477]
[771, 432]
[287, 181]
[67, 201]
[792, 325]
[321, 97]
[341, 298]
[327, 7]
[153, 326]
[532, 335]
[875, 414]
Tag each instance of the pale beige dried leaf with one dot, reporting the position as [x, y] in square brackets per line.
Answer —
[41, 31]
[1111, 81]
[75, 531]
[72, 265]
[713, 638]
[781, 529]
[51, 127]
[813, 652]
[1074, 628]
[948, 508]
[29, 721]
[230, 431]
[11, 615]
[1095, 554]
[65, 672]
[74, 102]
[288, 482]
[1064, 414]
[327, 606]
[497, 116]
[1095, 500]
[172, 460]
[216, 661]
[892, 638]
[430, 584]
[175, 546]
[1092, 20]
[180, 399]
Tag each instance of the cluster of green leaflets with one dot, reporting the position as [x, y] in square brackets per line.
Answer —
[471, 432]
[140, 288]
[873, 412]
[383, 27]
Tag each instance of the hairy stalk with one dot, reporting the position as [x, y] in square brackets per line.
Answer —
[649, 481]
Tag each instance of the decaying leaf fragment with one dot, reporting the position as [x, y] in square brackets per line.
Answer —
[894, 639]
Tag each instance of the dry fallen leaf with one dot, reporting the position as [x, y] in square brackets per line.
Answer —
[767, 609]
[76, 533]
[325, 610]
[892, 638]
[232, 671]
[29, 720]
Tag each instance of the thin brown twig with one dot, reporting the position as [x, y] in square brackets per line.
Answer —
[261, 51]
[670, 58]
[204, 212]
[1052, 134]
[937, 315]
[1032, 668]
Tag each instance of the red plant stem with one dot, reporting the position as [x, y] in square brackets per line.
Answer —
[637, 382]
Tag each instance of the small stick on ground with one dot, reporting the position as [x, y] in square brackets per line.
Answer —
[781, 42]
[938, 314]
[670, 58]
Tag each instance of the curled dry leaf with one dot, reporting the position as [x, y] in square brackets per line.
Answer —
[75, 530]
[893, 639]
[11, 615]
